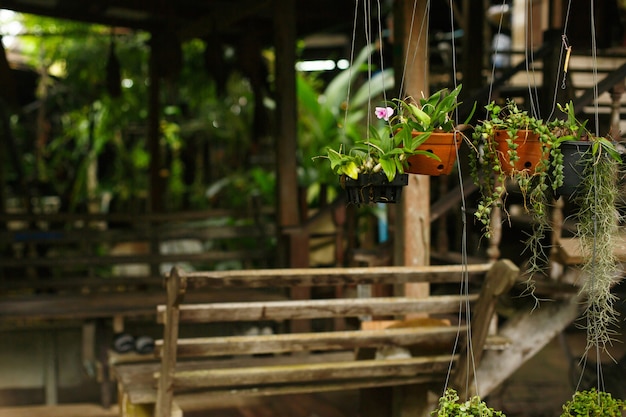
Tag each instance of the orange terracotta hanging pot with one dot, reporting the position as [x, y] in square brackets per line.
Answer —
[444, 146]
[528, 149]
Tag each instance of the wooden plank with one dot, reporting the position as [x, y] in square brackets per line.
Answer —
[176, 287]
[332, 276]
[529, 331]
[291, 374]
[498, 281]
[321, 341]
[109, 304]
[570, 251]
[134, 234]
[321, 308]
[152, 259]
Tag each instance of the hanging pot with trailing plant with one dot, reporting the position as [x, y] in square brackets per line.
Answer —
[523, 153]
[511, 146]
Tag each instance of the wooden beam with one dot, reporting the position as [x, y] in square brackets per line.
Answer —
[287, 277]
[529, 331]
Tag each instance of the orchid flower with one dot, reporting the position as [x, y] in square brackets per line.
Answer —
[383, 113]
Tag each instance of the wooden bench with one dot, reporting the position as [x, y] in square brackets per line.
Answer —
[317, 361]
[83, 269]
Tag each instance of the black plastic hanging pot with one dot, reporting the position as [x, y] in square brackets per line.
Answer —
[575, 158]
[374, 188]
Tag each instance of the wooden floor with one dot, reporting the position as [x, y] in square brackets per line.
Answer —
[340, 404]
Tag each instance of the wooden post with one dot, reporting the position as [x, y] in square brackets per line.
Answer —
[176, 285]
[412, 243]
[293, 240]
[415, 216]
[411, 401]
[498, 281]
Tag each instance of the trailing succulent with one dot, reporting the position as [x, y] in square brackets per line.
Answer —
[536, 185]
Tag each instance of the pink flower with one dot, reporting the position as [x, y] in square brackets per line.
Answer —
[383, 112]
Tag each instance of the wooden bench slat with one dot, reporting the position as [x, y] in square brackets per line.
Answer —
[308, 309]
[306, 372]
[130, 304]
[108, 260]
[321, 341]
[331, 276]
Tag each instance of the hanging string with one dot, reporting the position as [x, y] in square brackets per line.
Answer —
[496, 48]
[594, 56]
[423, 27]
[566, 49]
[464, 287]
[533, 92]
[351, 64]
[380, 48]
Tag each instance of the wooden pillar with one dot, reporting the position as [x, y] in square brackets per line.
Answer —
[412, 237]
[287, 186]
[154, 111]
[294, 242]
[415, 215]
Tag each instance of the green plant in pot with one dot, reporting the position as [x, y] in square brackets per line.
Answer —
[597, 229]
[382, 159]
[593, 403]
[451, 406]
[431, 118]
[515, 149]
[373, 170]
[594, 190]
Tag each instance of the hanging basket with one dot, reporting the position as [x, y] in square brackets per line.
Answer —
[529, 151]
[444, 146]
[575, 157]
[374, 188]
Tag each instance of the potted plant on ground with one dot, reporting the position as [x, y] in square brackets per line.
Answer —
[593, 403]
[513, 148]
[451, 406]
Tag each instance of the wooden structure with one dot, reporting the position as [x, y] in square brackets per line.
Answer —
[91, 269]
[286, 363]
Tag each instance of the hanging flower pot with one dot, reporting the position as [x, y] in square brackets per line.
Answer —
[444, 146]
[528, 150]
[374, 188]
[575, 159]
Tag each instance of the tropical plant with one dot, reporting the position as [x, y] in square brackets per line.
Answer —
[407, 125]
[593, 403]
[451, 406]
[333, 117]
